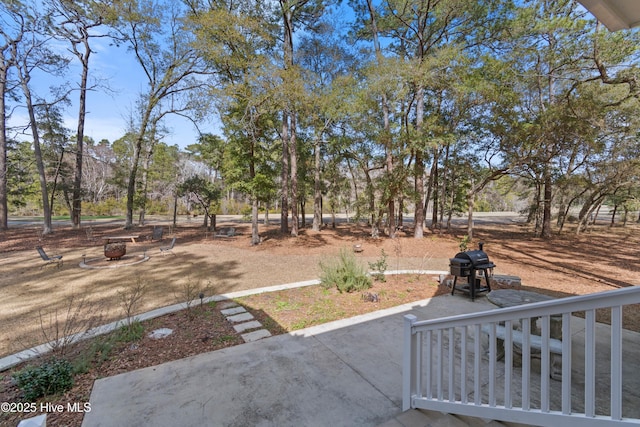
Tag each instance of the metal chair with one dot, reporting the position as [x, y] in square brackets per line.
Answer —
[49, 259]
[166, 249]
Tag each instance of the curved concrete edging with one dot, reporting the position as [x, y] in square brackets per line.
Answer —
[87, 263]
[25, 355]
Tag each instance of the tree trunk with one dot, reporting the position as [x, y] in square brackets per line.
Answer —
[47, 227]
[288, 131]
[255, 236]
[434, 190]
[76, 208]
[137, 149]
[613, 216]
[451, 201]
[470, 208]
[145, 185]
[175, 208]
[535, 208]
[386, 131]
[546, 217]
[284, 176]
[56, 175]
[317, 195]
[4, 207]
[418, 223]
[333, 215]
[205, 220]
[293, 158]
[375, 231]
[355, 190]
[419, 216]
[391, 206]
[427, 197]
[446, 184]
[131, 186]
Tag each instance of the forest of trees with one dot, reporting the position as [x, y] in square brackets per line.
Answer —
[380, 109]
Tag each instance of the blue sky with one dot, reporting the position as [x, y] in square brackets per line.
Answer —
[108, 111]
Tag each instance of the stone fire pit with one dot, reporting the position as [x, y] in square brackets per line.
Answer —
[115, 251]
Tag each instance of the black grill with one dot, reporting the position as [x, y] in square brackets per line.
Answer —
[468, 264]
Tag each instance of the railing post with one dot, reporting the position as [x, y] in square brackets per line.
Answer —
[537, 405]
[408, 362]
[616, 363]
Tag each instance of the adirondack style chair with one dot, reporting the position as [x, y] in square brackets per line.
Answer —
[166, 249]
[49, 259]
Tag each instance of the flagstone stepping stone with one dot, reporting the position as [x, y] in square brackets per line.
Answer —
[232, 311]
[241, 327]
[255, 335]
[227, 304]
[160, 333]
[242, 317]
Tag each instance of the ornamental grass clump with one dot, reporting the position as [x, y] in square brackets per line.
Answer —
[345, 273]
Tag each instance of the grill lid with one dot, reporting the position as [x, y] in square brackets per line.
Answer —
[477, 258]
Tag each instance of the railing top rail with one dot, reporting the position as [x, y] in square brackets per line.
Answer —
[617, 297]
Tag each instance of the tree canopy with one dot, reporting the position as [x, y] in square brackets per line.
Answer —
[377, 109]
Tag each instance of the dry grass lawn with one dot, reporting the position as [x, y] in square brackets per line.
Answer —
[37, 298]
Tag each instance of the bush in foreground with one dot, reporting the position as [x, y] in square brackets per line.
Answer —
[345, 273]
[52, 377]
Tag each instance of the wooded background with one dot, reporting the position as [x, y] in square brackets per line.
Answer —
[377, 109]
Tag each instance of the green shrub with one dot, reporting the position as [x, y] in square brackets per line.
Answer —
[52, 377]
[97, 352]
[130, 332]
[246, 213]
[379, 267]
[158, 207]
[345, 273]
[109, 206]
[464, 243]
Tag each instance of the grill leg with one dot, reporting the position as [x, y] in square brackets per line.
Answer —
[486, 278]
[472, 284]
[453, 287]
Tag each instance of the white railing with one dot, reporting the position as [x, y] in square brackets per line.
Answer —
[455, 364]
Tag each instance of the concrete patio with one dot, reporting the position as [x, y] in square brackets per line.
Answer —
[345, 373]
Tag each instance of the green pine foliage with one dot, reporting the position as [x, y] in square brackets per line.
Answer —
[345, 273]
[379, 267]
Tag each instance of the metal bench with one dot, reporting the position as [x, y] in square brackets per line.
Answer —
[225, 232]
[535, 343]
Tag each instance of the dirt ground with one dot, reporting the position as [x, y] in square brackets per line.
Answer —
[38, 301]
[36, 297]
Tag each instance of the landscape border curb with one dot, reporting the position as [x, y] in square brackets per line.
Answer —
[10, 361]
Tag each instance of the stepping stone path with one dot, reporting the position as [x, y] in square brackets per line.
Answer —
[243, 321]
